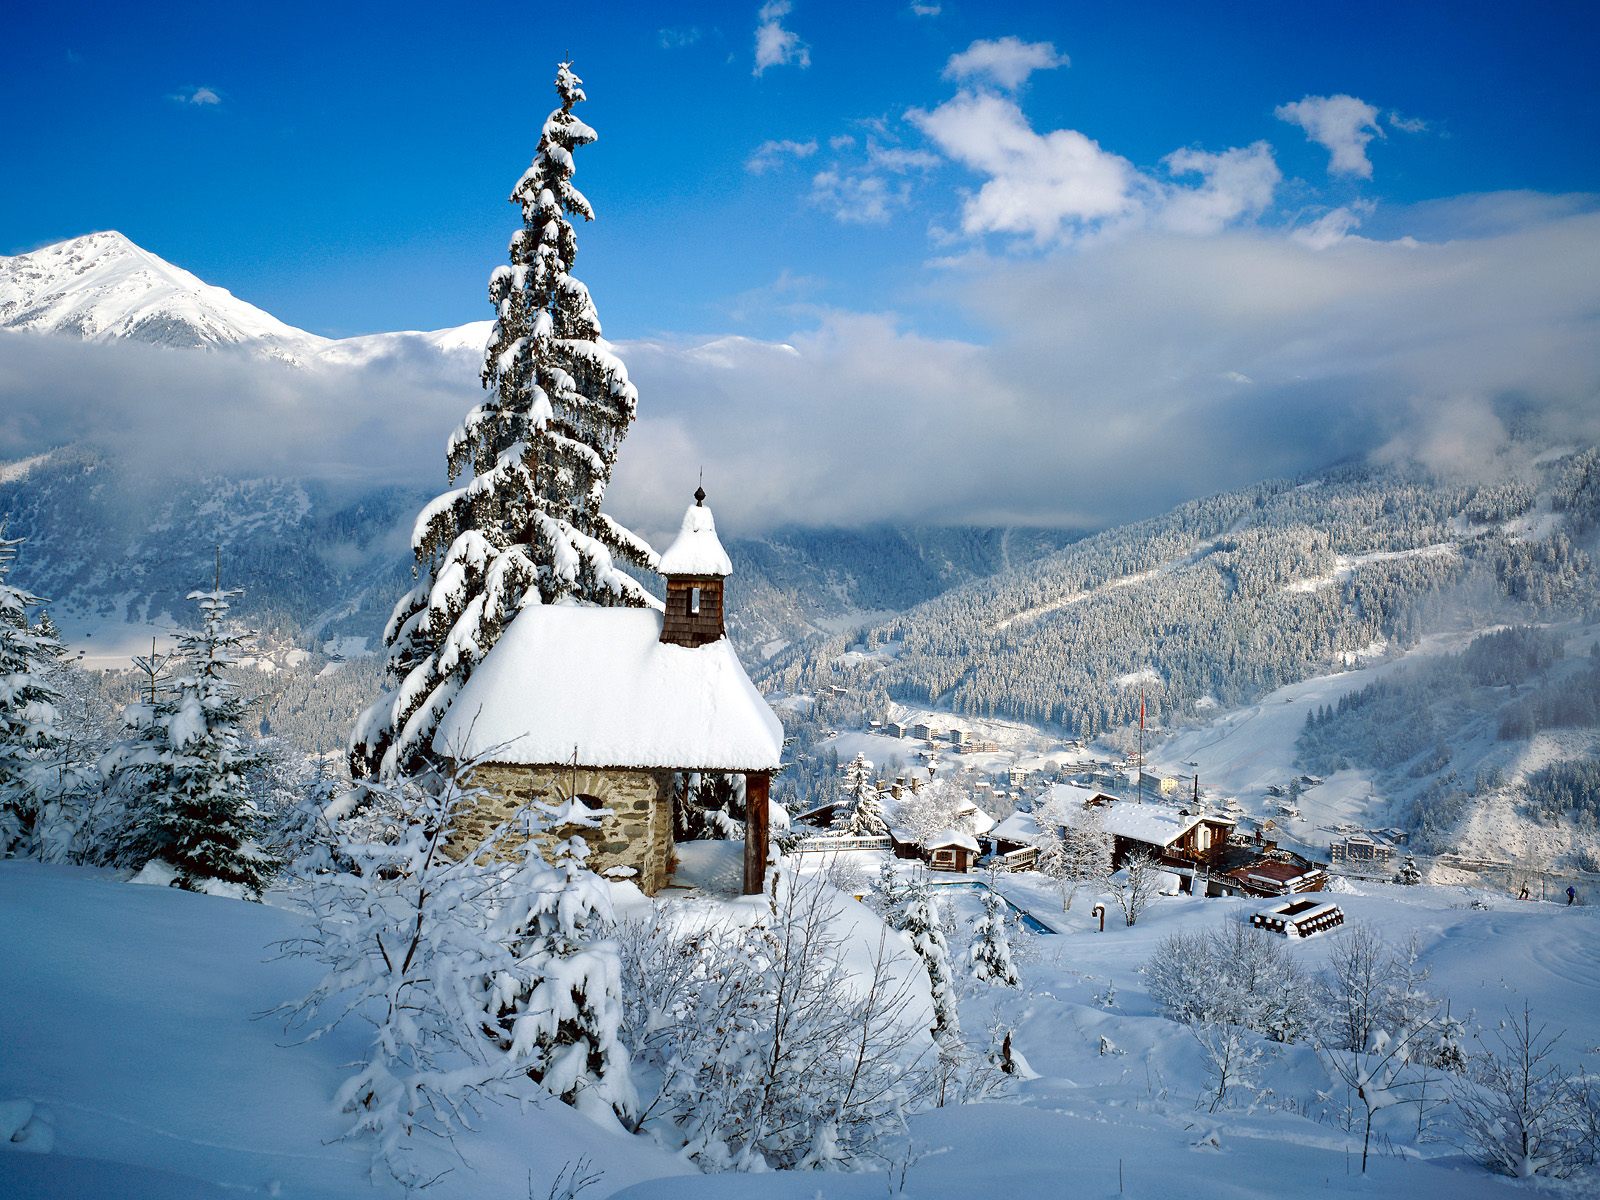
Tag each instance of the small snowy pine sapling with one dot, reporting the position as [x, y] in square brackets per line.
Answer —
[1520, 1113]
[557, 1013]
[990, 953]
[917, 915]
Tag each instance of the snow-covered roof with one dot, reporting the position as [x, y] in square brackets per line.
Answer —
[598, 681]
[952, 837]
[1153, 824]
[980, 821]
[1069, 793]
[1018, 827]
[696, 550]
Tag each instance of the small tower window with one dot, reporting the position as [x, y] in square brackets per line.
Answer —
[694, 600]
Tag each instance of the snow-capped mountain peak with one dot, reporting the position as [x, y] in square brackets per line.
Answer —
[103, 287]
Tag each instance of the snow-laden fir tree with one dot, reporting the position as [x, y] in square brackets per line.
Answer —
[863, 810]
[190, 752]
[528, 527]
[889, 890]
[32, 780]
[558, 1012]
[866, 818]
[855, 782]
[917, 916]
[1409, 874]
[990, 953]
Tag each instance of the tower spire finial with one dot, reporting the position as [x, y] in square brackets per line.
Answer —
[700, 492]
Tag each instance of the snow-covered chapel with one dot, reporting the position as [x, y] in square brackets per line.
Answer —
[607, 705]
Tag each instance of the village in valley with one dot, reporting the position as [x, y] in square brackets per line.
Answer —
[1053, 809]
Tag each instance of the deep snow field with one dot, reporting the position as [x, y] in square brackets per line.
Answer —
[131, 1026]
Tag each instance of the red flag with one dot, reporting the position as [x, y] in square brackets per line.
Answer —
[1141, 710]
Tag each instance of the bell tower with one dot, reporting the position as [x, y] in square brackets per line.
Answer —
[695, 567]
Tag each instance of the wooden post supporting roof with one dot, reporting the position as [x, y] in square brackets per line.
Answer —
[757, 787]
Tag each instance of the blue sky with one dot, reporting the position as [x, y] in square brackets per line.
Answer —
[344, 166]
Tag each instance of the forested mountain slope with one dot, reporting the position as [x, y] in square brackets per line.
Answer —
[1227, 597]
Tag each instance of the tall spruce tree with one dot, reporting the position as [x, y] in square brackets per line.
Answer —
[528, 527]
[30, 743]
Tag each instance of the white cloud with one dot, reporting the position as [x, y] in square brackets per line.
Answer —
[858, 197]
[1407, 124]
[1122, 351]
[1038, 186]
[1236, 183]
[898, 159]
[197, 95]
[774, 153]
[869, 192]
[1340, 124]
[1063, 185]
[1127, 350]
[677, 39]
[775, 45]
[1333, 227]
[925, 10]
[1006, 61]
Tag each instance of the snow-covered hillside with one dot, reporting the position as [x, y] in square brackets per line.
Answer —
[180, 1084]
[139, 1063]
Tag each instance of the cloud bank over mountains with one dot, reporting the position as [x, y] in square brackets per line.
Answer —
[1109, 381]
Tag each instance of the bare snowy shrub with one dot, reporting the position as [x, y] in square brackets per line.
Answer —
[848, 873]
[473, 970]
[1182, 977]
[1231, 1055]
[1384, 1074]
[1520, 1112]
[1236, 975]
[403, 937]
[758, 1047]
[1074, 848]
[960, 1074]
[1136, 885]
[1358, 987]
[936, 806]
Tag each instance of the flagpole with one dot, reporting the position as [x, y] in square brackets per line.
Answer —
[1139, 778]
